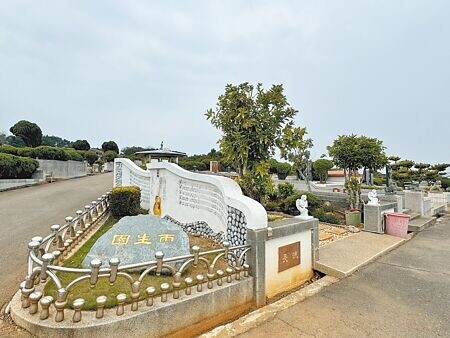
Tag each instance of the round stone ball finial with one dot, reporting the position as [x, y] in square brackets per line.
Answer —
[96, 263]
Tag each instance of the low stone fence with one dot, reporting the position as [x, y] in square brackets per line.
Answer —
[63, 169]
[338, 198]
[11, 183]
[7, 184]
[440, 200]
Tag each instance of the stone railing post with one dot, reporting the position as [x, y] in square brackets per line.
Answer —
[256, 238]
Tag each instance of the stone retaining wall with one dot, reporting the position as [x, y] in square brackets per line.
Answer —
[63, 169]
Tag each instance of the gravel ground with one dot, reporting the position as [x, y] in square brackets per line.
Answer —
[330, 233]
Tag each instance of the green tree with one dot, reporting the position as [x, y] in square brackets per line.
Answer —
[81, 145]
[353, 152]
[15, 141]
[252, 121]
[90, 156]
[55, 141]
[295, 147]
[345, 154]
[421, 170]
[110, 145]
[321, 167]
[394, 158]
[29, 132]
[441, 168]
[257, 183]
[372, 154]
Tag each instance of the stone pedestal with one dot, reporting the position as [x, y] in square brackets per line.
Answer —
[396, 199]
[374, 216]
[414, 201]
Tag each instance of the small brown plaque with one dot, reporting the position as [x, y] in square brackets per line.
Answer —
[288, 256]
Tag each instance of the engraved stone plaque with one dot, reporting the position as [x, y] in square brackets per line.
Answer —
[288, 256]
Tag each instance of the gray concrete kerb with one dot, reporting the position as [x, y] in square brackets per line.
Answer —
[261, 315]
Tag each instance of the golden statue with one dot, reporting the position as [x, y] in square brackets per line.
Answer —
[157, 206]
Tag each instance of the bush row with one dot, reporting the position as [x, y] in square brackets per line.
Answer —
[12, 166]
[44, 153]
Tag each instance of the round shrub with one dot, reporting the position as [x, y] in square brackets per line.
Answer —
[125, 201]
[12, 166]
[283, 170]
[109, 156]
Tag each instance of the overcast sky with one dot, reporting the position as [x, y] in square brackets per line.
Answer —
[139, 72]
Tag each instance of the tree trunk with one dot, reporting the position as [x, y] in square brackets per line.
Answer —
[305, 178]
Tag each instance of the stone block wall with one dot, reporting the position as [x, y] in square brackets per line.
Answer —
[63, 169]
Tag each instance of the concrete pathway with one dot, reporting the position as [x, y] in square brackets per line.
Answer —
[403, 294]
[30, 211]
[344, 256]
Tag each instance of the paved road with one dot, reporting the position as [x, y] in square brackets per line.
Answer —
[403, 294]
[30, 211]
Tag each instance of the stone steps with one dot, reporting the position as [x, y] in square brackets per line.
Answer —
[413, 215]
[438, 209]
[420, 223]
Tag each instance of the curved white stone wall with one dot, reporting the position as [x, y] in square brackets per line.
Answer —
[207, 204]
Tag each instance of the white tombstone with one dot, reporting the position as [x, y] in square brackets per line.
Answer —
[302, 206]
[373, 199]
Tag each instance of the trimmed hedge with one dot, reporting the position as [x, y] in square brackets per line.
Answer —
[74, 155]
[7, 149]
[12, 166]
[44, 153]
[125, 201]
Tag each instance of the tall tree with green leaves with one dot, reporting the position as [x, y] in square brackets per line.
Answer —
[353, 152]
[254, 122]
[345, 154]
[110, 145]
[29, 132]
[295, 147]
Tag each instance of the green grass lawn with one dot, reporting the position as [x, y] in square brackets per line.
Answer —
[84, 290]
